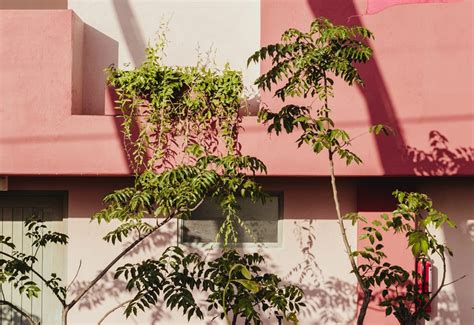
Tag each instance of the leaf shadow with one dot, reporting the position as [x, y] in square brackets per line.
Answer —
[440, 159]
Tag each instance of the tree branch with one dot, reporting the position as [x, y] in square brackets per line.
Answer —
[443, 280]
[365, 289]
[196, 206]
[75, 276]
[46, 282]
[115, 260]
[107, 314]
[458, 279]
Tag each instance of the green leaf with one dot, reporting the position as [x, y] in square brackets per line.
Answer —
[378, 235]
[245, 272]
[248, 284]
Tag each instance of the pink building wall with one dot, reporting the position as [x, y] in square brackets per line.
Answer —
[417, 83]
[56, 119]
[308, 225]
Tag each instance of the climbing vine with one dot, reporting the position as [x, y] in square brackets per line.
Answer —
[180, 127]
[167, 108]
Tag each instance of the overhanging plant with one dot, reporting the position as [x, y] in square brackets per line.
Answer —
[236, 288]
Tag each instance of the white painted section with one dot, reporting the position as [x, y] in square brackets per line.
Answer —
[231, 28]
[455, 304]
[311, 255]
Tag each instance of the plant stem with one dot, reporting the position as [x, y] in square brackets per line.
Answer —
[365, 289]
[109, 266]
[443, 280]
[112, 310]
[75, 276]
[234, 319]
[64, 316]
[224, 304]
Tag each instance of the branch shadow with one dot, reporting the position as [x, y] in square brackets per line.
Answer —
[107, 288]
[10, 316]
[376, 95]
[328, 300]
[447, 311]
[110, 289]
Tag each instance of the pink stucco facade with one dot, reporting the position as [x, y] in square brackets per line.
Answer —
[59, 132]
[419, 81]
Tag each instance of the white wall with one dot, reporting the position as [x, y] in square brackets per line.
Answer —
[231, 27]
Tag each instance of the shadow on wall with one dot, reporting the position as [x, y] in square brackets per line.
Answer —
[99, 52]
[131, 31]
[441, 160]
[447, 311]
[10, 316]
[379, 103]
[453, 196]
[458, 204]
[109, 289]
[328, 301]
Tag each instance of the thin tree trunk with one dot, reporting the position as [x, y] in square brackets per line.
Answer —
[364, 306]
[234, 319]
[64, 316]
[367, 291]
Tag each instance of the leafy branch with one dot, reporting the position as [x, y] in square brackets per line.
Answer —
[17, 266]
[232, 282]
[405, 295]
[305, 63]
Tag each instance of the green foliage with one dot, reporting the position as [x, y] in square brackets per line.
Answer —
[414, 218]
[376, 129]
[232, 282]
[176, 192]
[18, 268]
[303, 60]
[174, 275]
[166, 108]
[305, 64]
[180, 127]
[237, 286]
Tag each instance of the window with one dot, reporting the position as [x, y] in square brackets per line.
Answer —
[15, 209]
[262, 219]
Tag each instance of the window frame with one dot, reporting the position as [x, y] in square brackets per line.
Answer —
[214, 244]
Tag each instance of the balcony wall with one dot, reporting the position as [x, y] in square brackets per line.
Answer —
[42, 130]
